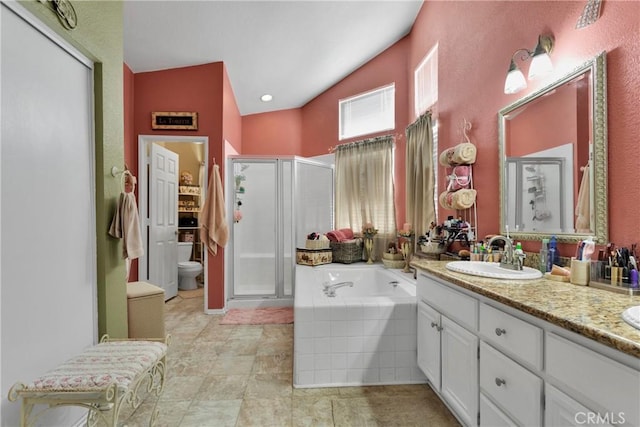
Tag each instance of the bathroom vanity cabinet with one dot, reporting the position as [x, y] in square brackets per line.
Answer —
[495, 365]
[448, 346]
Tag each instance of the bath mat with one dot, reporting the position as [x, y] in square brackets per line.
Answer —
[258, 316]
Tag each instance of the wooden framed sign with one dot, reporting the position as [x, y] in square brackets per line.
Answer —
[172, 120]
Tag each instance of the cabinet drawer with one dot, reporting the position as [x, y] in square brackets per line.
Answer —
[456, 305]
[492, 416]
[523, 340]
[561, 410]
[602, 381]
[514, 389]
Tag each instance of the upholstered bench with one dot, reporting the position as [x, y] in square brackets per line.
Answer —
[102, 379]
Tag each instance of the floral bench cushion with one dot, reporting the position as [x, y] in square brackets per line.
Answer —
[119, 362]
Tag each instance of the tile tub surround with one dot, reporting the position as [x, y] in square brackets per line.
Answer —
[352, 339]
[593, 313]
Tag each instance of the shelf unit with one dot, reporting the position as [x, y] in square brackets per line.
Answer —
[189, 205]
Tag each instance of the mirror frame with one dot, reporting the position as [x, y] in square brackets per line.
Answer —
[598, 68]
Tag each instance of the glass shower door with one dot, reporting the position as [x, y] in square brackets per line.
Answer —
[254, 228]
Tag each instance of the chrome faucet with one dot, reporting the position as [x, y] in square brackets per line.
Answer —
[330, 289]
[509, 259]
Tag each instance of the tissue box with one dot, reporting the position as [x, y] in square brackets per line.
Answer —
[313, 256]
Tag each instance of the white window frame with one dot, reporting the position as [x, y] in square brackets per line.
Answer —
[425, 82]
[386, 115]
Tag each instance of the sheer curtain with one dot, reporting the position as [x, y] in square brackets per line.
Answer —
[365, 190]
[420, 204]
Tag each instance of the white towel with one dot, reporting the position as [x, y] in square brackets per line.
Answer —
[214, 230]
[583, 207]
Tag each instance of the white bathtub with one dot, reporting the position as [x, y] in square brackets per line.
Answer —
[364, 335]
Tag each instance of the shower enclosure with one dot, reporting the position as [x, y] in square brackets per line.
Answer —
[272, 204]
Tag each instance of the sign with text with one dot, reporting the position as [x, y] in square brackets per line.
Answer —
[173, 120]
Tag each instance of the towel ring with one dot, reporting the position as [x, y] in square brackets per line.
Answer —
[124, 173]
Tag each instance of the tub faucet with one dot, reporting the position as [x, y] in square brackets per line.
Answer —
[330, 289]
[509, 259]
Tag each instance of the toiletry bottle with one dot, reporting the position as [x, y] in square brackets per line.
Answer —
[519, 250]
[544, 255]
[552, 253]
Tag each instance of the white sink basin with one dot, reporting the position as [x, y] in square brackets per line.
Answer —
[493, 270]
[632, 316]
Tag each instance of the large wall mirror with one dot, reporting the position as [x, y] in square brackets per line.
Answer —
[553, 159]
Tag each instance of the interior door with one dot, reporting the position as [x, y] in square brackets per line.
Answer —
[163, 219]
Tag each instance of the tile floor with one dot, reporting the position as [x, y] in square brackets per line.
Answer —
[241, 375]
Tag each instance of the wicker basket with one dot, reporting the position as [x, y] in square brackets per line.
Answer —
[393, 260]
[347, 252]
[316, 244]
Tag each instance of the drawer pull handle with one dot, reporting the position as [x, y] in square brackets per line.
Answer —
[500, 381]
[435, 325]
[500, 331]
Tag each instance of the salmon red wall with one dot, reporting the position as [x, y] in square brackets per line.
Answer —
[320, 115]
[473, 65]
[198, 88]
[274, 133]
[130, 151]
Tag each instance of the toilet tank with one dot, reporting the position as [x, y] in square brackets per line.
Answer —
[184, 251]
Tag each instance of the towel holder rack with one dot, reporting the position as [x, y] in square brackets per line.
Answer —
[115, 171]
[125, 172]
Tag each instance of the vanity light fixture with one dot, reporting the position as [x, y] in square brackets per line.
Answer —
[540, 65]
[266, 97]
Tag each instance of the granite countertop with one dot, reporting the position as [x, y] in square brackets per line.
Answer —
[593, 313]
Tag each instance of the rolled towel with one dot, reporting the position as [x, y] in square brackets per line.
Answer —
[347, 233]
[336, 236]
[458, 177]
[461, 199]
[464, 153]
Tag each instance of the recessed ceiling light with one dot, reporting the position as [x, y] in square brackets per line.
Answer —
[266, 98]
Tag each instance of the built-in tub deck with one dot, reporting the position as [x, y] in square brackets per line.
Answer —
[364, 335]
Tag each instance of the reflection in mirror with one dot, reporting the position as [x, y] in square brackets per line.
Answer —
[553, 159]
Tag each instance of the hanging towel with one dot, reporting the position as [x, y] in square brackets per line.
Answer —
[125, 224]
[214, 230]
[583, 211]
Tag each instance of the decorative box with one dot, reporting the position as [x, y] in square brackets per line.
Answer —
[313, 256]
[347, 252]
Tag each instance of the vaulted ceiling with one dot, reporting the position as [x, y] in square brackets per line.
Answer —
[293, 50]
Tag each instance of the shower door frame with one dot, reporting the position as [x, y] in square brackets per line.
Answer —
[278, 297]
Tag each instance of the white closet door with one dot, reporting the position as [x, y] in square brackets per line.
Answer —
[48, 258]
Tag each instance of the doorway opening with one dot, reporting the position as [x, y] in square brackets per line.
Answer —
[173, 180]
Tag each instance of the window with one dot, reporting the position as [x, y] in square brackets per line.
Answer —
[368, 112]
[425, 79]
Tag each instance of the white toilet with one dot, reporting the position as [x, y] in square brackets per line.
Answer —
[187, 270]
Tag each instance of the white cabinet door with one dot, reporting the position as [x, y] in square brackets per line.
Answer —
[429, 343]
[460, 370]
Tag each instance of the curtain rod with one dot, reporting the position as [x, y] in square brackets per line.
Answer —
[364, 142]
